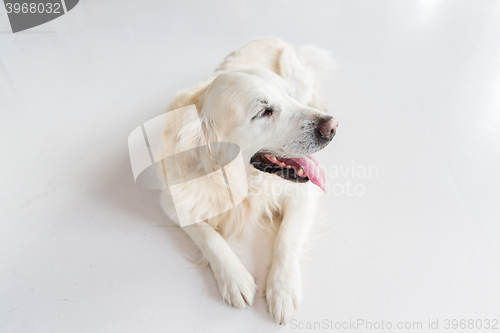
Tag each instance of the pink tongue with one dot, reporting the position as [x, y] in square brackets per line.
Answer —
[311, 167]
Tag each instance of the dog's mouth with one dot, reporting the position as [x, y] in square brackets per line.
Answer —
[300, 170]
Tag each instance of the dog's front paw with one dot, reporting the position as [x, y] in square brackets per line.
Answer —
[283, 293]
[236, 285]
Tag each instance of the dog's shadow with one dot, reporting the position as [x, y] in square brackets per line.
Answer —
[121, 192]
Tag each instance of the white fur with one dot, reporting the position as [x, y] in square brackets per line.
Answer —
[270, 69]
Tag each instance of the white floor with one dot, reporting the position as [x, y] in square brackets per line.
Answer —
[416, 226]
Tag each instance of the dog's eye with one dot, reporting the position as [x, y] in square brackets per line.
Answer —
[267, 112]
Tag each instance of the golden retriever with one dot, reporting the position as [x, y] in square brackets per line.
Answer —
[265, 99]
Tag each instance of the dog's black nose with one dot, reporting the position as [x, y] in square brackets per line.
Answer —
[328, 127]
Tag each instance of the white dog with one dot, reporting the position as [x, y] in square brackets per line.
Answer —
[264, 98]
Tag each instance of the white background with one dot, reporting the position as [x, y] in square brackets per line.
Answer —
[417, 93]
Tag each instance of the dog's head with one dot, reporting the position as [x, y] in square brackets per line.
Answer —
[256, 109]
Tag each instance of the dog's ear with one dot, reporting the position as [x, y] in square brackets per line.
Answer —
[210, 129]
[294, 72]
[190, 134]
[211, 134]
[317, 61]
[304, 70]
[182, 136]
[319, 64]
[290, 67]
[206, 113]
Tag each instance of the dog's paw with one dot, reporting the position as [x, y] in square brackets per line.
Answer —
[236, 285]
[283, 293]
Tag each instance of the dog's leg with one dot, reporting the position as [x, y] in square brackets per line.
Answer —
[283, 291]
[236, 284]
